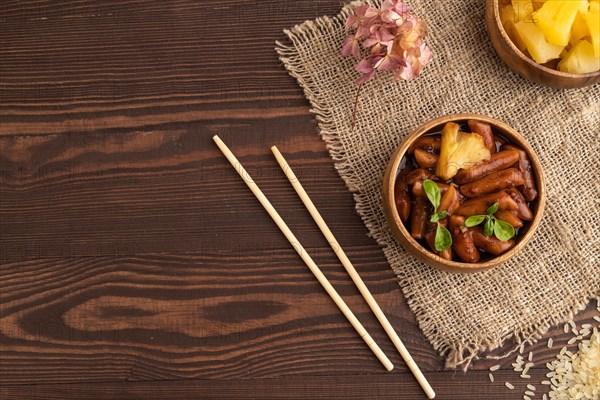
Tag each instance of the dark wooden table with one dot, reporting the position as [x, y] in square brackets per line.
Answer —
[135, 263]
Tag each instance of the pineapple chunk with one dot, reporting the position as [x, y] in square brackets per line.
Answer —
[556, 17]
[507, 16]
[541, 51]
[579, 30]
[523, 9]
[580, 59]
[459, 150]
[592, 19]
[537, 4]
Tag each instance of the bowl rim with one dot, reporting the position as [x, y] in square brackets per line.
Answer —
[431, 258]
[528, 60]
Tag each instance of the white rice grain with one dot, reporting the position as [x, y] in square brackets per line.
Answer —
[572, 340]
[577, 376]
[491, 377]
[563, 350]
[566, 328]
[508, 385]
[530, 357]
[584, 332]
[529, 393]
[495, 368]
[531, 387]
[550, 341]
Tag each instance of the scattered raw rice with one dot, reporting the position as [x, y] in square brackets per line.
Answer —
[491, 377]
[566, 328]
[572, 340]
[586, 326]
[526, 397]
[550, 343]
[530, 357]
[508, 385]
[529, 393]
[531, 387]
[597, 318]
[546, 383]
[577, 376]
[563, 350]
[572, 324]
[526, 376]
[522, 348]
[495, 368]
[544, 397]
[575, 331]
[584, 332]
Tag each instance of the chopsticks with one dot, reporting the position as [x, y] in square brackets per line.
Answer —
[353, 274]
[303, 254]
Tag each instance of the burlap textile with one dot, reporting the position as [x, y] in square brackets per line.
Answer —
[462, 315]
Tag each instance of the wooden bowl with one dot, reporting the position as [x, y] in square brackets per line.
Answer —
[415, 248]
[523, 65]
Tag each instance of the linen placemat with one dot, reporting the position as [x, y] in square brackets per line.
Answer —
[464, 315]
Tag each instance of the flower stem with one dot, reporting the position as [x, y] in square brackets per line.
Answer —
[355, 107]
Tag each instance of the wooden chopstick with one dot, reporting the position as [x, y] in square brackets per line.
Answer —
[352, 272]
[303, 254]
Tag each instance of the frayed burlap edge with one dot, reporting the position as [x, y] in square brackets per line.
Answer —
[457, 354]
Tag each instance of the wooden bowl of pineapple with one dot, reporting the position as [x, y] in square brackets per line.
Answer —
[554, 42]
[396, 184]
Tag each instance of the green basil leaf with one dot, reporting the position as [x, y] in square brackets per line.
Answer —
[439, 215]
[443, 239]
[474, 220]
[503, 230]
[492, 209]
[488, 228]
[433, 193]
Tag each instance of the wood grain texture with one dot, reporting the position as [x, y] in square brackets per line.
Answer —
[84, 66]
[473, 386]
[133, 261]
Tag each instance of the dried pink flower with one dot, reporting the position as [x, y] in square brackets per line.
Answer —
[393, 37]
